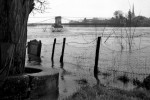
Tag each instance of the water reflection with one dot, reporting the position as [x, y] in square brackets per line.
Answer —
[34, 60]
[96, 74]
[52, 63]
[33, 63]
[62, 71]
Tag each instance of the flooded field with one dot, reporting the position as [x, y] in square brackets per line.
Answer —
[123, 52]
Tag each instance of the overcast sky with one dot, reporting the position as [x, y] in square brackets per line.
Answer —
[71, 9]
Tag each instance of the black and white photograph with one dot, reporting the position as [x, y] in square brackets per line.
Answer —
[74, 49]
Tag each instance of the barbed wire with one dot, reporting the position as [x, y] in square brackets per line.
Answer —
[68, 18]
[80, 45]
[86, 43]
[116, 68]
[112, 70]
[125, 71]
[90, 42]
[140, 48]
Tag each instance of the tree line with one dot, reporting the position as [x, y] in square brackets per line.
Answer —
[118, 20]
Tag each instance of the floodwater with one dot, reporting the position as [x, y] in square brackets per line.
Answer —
[123, 51]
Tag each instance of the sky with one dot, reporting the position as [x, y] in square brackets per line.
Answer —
[79, 9]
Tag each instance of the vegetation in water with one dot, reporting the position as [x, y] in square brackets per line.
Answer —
[100, 92]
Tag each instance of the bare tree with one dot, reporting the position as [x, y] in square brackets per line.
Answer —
[13, 34]
[118, 14]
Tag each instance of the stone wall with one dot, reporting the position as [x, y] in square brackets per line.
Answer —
[33, 85]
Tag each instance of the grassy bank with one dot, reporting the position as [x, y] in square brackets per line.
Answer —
[109, 93]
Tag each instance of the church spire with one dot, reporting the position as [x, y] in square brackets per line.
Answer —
[133, 14]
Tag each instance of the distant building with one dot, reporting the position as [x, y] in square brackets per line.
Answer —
[58, 20]
[131, 13]
[57, 26]
[93, 20]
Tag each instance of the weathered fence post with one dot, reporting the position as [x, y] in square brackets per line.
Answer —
[0, 55]
[96, 59]
[53, 50]
[63, 48]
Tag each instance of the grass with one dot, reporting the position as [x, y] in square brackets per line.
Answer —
[82, 81]
[123, 79]
[108, 93]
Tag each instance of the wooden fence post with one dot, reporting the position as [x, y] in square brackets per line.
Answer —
[53, 50]
[96, 59]
[0, 56]
[63, 48]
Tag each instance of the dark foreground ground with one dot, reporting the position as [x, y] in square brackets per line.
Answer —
[99, 92]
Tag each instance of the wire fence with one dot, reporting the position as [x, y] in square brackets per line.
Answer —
[80, 51]
[80, 54]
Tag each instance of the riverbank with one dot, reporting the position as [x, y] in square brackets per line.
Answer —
[100, 92]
